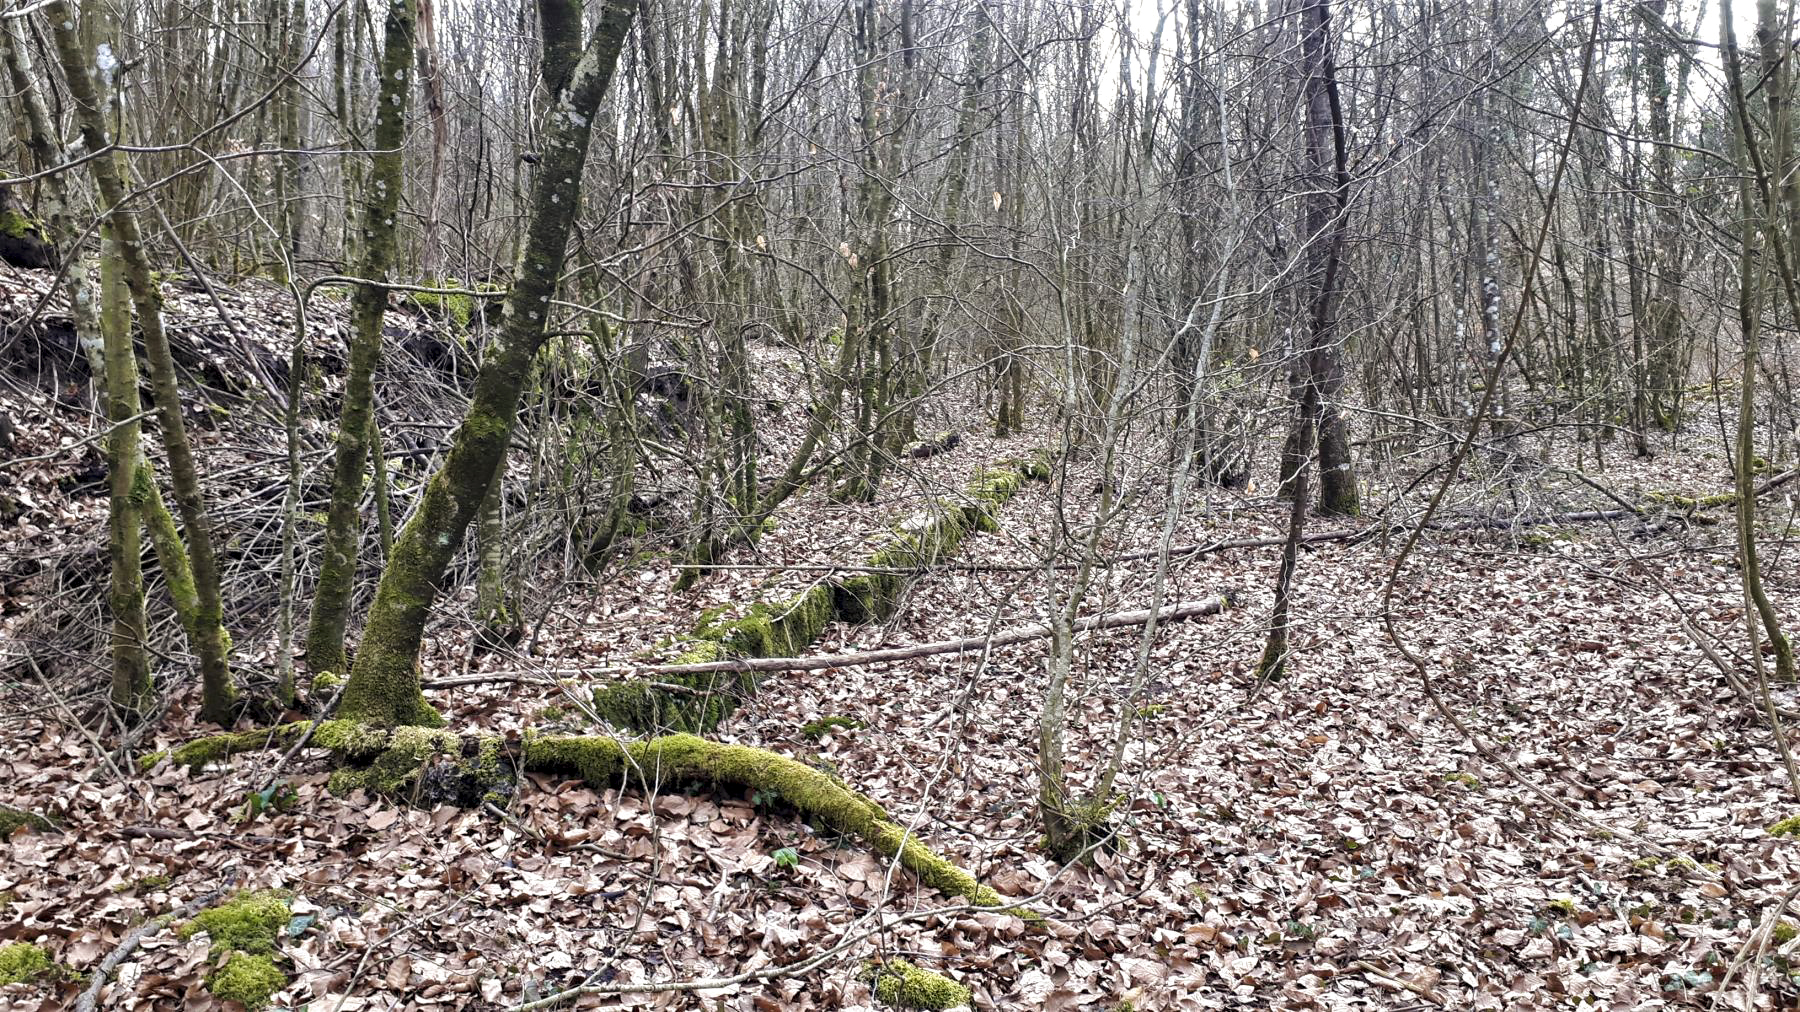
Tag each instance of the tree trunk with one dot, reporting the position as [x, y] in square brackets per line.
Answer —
[384, 683]
[131, 688]
[375, 248]
[209, 637]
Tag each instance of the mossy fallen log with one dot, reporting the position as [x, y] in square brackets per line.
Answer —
[700, 702]
[698, 699]
[404, 763]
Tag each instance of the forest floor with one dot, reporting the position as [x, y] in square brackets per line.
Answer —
[1325, 841]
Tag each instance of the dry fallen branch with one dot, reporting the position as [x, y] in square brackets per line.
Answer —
[969, 644]
[89, 998]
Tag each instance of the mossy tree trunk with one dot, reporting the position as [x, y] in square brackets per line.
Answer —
[384, 682]
[375, 256]
[208, 635]
[131, 687]
[113, 364]
[498, 622]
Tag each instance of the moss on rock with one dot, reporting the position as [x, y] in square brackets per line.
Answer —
[22, 963]
[903, 985]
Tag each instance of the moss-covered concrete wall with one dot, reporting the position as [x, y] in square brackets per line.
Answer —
[698, 702]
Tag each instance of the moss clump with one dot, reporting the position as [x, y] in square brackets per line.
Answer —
[248, 979]
[17, 225]
[326, 681]
[903, 985]
[1468, 780]
[247, 922]
[1784, 932]
[22, 962]
[458, 308]
[13, 819]
[1789, 826]
[1086, 824]
[825, 725]
[243, 931]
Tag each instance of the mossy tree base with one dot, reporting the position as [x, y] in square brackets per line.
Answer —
[422, 765]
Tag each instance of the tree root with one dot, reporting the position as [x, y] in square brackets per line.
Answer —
[422, 765]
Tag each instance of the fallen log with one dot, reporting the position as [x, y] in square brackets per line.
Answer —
[970, 644]
[424, 766]
[943, 442]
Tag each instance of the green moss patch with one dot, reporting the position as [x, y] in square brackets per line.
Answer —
[825, 725]
[458, 308]
[12, 820]
[247, 922]
[903, 985]
[248, 979]
[243, 931]
[22, 963]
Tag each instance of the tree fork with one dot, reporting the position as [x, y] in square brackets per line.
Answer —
[384, 682]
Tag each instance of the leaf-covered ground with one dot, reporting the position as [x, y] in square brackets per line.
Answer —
[1326, 841]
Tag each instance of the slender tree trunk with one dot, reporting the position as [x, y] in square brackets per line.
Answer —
[499, 624]
[1338, 493]
[1317, 418]
[384, 683]
[131, 687]
[210, 639]
[375, 249]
